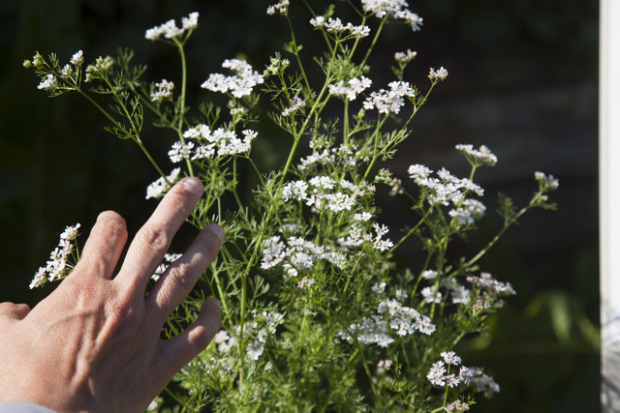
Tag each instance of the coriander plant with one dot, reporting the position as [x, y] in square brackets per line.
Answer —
[317, 315]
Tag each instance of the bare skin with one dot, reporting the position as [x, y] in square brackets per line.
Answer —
[94, 345]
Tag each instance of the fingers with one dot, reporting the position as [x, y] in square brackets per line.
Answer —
[181, 276]
[153, 240]
[180, 350]
[14, 311]
[105, 244]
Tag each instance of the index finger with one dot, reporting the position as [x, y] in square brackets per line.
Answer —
[151, 243]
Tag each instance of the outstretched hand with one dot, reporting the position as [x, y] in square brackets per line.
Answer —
[94, 343]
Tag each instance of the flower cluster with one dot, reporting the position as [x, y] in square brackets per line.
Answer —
[240, 84]
[99, 69]
[170, 30]
[374, 329]
[297, 254]
[548, 182]
[486, 280]
[481, 156]
[159, 188]
[448, 188]
[57, 265]
[168, 259]
[324, 193]
[390, 101]
[256, 333]
[281, 7]
[405, 57]
[440, 74]
[209, 143]
[354, 88]
[164, 90]
[297, 104]
[437, 374]
[395, 9]
[335, 26]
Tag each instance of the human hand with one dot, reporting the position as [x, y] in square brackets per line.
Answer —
[94, 343]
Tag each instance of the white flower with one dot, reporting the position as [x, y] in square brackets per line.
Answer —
[483, 154]
[255, 349]
[190, 22]
[39, 278]
[56, 266]
[378, 288]
[49, 83]
[382, 365]
[483, 382]
[240, 84]
[319, 21]
[77, 58]
[297, 103]
[170, 30]
[164, 90]
[405, 320]
[378, 243]
[363, 217]
[450, 357]
[436, 374]
[460, 295]
[419, 172]
[339, 202]
[281, 7]
[429, 274]
[295, 190]
[389, 101]
[354, 88]
[180, 151]
[168, 259]
[395, 8]
[160, 186]
[67, 71]
[405, 57]
[547, 181]
[431, 294]
[305, 282]
[440, 74]
[497, 287]
[457, 405]
[70, 232]
[371, 331]
[400, 294]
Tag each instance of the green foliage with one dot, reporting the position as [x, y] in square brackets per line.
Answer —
[317, 314]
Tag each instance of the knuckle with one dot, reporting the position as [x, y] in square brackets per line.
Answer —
[156, 238]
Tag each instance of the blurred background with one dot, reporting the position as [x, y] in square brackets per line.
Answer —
[523, 81]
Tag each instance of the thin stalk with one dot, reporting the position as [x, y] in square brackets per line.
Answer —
[119, 126]
[301, 67]
[181, 106]
[412, 230]
[374, 41]
[498, 236]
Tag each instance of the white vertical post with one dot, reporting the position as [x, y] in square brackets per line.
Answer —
[609, 199]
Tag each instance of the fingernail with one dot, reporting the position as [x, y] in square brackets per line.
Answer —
[217, 303]
[193, 185]
[219, 231]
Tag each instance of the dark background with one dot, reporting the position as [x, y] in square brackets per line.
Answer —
[523, 81]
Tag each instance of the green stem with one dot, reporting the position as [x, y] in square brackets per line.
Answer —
[374, 41]
[181, 104]
[412, 230]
